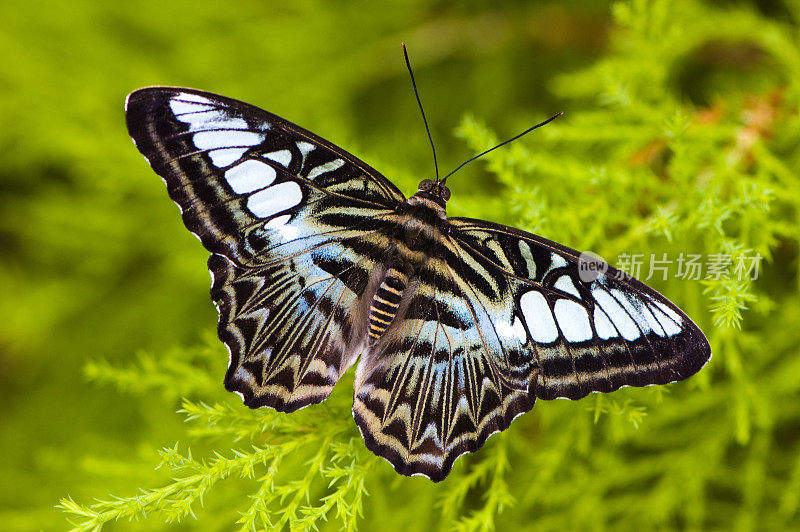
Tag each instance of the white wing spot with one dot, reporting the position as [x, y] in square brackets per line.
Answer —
[631, 306]
[287, 232]
[525, 251]
[671, 325]
[565, 284]
[573, 321]
[651, 320]
[226, 156]
[226, 138]
[250, 176]
[182, 107]
[519, 329]
[275, 199]
[305, 148]
[538, 317]
[282, 157]
[324, 168]
[556, 261]
[278, 221]
[212, 140]
[602, 325]
[515, 329]
[624, 324]
[211, 119]
[669, 312]
[185, 96]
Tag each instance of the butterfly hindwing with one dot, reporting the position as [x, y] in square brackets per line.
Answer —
[594, 336]
[290, 342]
[454, 371]
[287, 217]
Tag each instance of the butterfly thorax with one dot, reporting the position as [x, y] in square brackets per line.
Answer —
[421, 220]
[423, 216]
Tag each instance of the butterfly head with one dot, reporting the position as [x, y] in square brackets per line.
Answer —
[434, 190]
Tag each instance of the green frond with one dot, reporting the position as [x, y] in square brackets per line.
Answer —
[679, 147]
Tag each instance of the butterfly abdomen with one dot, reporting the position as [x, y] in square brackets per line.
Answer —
[385, 302]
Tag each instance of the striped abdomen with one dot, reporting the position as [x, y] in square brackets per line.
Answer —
[385, 303]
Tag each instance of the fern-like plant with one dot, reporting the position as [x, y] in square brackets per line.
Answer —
[662, 152]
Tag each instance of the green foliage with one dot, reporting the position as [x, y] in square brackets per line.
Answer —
[680, 136]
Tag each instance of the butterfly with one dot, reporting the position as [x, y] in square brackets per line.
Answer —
[458, 325]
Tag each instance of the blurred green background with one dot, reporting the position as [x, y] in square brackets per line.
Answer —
[681, 134]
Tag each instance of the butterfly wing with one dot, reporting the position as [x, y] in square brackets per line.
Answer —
[446, 378]
[584, 337]
[498, 318]
[288, 219]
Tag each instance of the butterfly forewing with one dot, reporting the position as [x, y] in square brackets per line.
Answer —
[585, 336]
[476, 322]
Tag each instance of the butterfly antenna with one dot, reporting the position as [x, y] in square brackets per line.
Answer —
[512, 139]
[421, 110]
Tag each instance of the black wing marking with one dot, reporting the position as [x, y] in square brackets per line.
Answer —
[584, 337]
